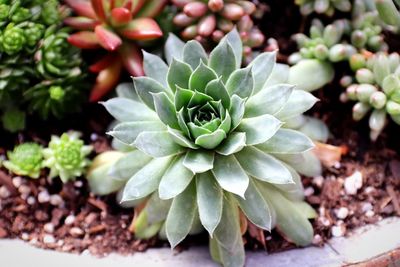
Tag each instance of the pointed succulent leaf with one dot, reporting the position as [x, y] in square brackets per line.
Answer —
[165, 110]
[241, 83]
[216, 89]
[211, 140]
[157, 209]
[259, 129]
[178, 74]
[126, 90]
[107, 39]
[280, 74]
[194, 53]
[315, 129]
[142, 29]
[199, 161]
[209, 201]
[125, 110]
[154, 67]
[200, 77]
[157, 144]
[146, 181]
[269, 100]
[294, 191]
[233, 257]
[181, 139]
[128, 165]
[262, 67]
[287, 141]
[181, 215]
[175, 179]
[173, 48]
[263, 166]
[305, 163]
[230, 175]
[145, 86]
[235, 41]
[255, 207]
[311, 74]
[237, 110]
[182, 97]
[299, 102]
[222, 60]
[127, 132]
[233, 144]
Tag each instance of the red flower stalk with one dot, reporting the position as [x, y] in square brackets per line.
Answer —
[114, 25]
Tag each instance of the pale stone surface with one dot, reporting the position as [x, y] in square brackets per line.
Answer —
[364, 244]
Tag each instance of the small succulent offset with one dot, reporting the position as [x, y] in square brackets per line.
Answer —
[116, 26]
[208, 147]
[376, 88]
[26, 160]
[327, 7]
[66, 156]
[210, 20]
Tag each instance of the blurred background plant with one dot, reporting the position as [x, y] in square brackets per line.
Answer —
[34, 59]
[327, 7]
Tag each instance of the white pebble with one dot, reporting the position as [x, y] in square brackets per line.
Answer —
[324, 221]
[342, 212]
[338, 230]
[309, 191]
[370, 213]
[49, 228]
[94, 137]
[317, 239]
[25, 236]
[366, 207]
[24, 190]
[4, 192]
[369, 190]
[76, 231]
[337, 165]
[353, 183]
[48, 239]
[56, 200]
[17, 181]
[69, 220]
[31, 200]
[318, 181]
[44, 197]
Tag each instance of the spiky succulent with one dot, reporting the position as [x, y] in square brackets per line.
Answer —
[26, 159]
[116, 26]
[389, 11]
[327, 7]
[66, 156]
[207, 144]
[210, 20]
[376, 89]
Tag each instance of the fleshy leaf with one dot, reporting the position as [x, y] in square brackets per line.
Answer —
[146, 181]
[235, 41]
[262, 67]
[154, 67]
[181, 215]
[144, 86]
[181, 139]
[222, 60]
[107, 39]
[141, 29]
[263, 166]
[182, 97]
[127, 132]
[157, 209]
[287, 141]
[259, 129]
[128, 165]
[299, 102]
[193, 53]
[269, 100]
[165, 110]
[200, 77]
[236, 111]
[305, 163]
[211, 140]
[178, 74]
[230, 175]
[157, 144]
[216, 89]
[199, 161]
[209, 201]
[241, 83]
[175, 179]
[125, 110]
[173, 48]
[233, 144]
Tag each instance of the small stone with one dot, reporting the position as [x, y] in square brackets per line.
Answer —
[78, 184]
[94, 137]
[369, 190]
[60, 243]
[56, 200]
[324, 221]
[31, 200]
[309, 191]
[317, 239]
[24, 190]
[76, 231]
[33, 241]
[353, 183]
[318, 181]
[338, 230]
[69, 220]
[17, 181]
[342, 212]
[25, 236]
[49, 239]
[44, 197]
[366, 207]
[49, 228]
[370, 213]
[4, 192]
[337, 165]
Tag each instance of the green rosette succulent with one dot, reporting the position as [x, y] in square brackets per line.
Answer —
[327, 7]
[376, 90]
[66, 156]
[26, 160]
[208, 144]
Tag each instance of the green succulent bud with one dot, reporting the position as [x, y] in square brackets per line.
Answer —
[357, 61]
[365, 76]
[359, 39]
[338, 53]
[393, 108]
[26, 159]
[66, 156]
[4, 11]
[21, 14]
[395, 96]
[377, 121]
[390, 84]
[208, 141]
[332, 35]
[351, 92]
[50, 14]
[13, 120]
[346, 81]
[364, 92]
[360, 110]
[12, 40]
[321, 52]
[378, 100]
[33, 33]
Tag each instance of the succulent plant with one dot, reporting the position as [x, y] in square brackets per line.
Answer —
[26, 159]
[377, 89]
[116, 26]
[66, 156]
[327, 7]
[389, 11]
[208, 146]
[210, 20]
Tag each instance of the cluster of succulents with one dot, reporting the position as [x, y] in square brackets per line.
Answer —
[376, 89]
[327, 7]
[119, 27]
[208, 147]
[34, 59]
[209, 21]
[65, 156]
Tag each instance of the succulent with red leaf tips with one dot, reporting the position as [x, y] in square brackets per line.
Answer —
[114, 25]
[212, 19]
